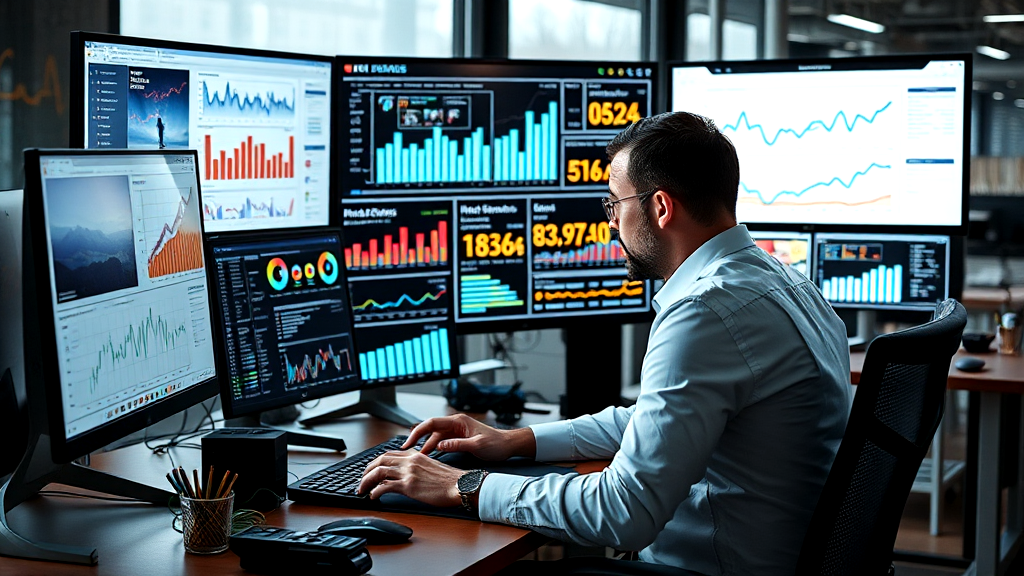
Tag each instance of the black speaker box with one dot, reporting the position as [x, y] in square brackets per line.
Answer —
[260, 458]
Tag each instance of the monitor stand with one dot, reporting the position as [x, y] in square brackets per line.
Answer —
[269, 420]
[593, 369]
[35, 471]
[378, 402]
[865, 330]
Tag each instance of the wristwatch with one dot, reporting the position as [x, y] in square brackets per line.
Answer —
[469, 484]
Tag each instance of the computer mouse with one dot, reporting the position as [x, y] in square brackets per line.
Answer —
[969, 364]
[375, 530]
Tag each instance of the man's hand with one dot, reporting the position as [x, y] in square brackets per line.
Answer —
[415, 475]
[461, 433]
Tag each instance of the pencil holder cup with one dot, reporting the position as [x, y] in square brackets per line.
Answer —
[206, 523]
[1009, 340]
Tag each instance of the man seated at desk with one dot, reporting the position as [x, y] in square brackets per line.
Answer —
[744, 397]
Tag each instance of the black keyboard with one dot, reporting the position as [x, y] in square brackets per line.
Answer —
[337, 484]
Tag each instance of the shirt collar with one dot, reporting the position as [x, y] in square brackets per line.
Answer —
[676, 288]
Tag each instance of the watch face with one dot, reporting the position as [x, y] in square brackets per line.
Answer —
[471, 481]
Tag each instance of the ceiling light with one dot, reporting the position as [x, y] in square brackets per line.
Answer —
[993, 52]
[858, 23]
[997, 95]
[1003, 18]
[802, 38]
[1019, 102]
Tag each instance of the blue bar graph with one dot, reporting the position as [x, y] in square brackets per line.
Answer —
[436, 160]
[480, 292]
[881, 285]
[417, 356]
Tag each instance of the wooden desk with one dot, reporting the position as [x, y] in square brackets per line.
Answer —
[993, 299]
[1001, 375]
[137, 539]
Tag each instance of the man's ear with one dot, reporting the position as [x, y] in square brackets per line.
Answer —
[664, 208]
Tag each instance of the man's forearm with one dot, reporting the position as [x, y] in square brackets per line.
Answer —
[523, 441]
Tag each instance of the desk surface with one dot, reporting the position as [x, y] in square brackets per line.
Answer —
[137, 539]
[1001, 373]
[993, 299]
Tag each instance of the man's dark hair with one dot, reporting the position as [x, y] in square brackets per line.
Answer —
[686, 156]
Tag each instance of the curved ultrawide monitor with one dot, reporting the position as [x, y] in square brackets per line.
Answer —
[850, 144]
[121, 291]
[260, 120]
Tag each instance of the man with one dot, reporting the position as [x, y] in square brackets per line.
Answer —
[160, 130]
[744, 389]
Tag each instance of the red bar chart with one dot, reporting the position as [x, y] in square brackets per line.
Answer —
[395, 251]
[249, 160]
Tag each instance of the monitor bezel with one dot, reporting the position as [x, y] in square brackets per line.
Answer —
[886, 62]
[218, 240]
[599, 318]
[77, 93]
[63, 449]
[950, 265]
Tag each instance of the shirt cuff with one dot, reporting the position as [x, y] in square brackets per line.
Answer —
[498, 495]
[554, 441]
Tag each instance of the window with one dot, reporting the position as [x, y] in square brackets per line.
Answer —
[739, 39]
[363, 27]
[573, 30]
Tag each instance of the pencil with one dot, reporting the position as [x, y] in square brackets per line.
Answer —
[199, 487]
[184, 480]
[222, 481]
[227, 492]
[181, 485]
[177, 489]
[209, 483]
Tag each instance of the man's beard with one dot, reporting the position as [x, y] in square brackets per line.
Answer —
[645, 260]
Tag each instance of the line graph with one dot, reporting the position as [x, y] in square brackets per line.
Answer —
[385, 299]
[628, 288]
[160, 95]
[836, 179]
[51, 85]
[235, 99]
[810, 127]
[310, 368]
[177, 246]
[126, 346]
[404, 298]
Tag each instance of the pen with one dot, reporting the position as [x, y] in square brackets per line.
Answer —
[184, 480]
[209, 483]
[177, 489]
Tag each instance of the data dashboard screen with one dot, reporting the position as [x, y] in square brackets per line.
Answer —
[285, 317]
[490, 176]
[840, 142]
[790, 248]
[261, 124]
[882, 271]
[128, 283]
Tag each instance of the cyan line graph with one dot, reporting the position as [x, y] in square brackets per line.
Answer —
[137, 342]
[846, 122]
[834, 180]
[403, 298]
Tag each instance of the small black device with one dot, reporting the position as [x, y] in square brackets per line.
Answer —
[337, 484]
[373, 530]
[260, 458]
[507, 401]
[970, 364]
[278, 550]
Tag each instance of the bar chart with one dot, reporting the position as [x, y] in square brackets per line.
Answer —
[592, 255]
[880, 285]
[395, 251]
[479, 293]
[248, 161]
[418, 355]
[439, 158]
[532, 154]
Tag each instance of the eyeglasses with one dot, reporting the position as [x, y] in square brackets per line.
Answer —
[610, 205]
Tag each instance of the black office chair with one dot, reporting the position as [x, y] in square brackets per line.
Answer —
[896, 411]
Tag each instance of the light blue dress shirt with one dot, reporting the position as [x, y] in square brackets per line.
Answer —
[718, 466]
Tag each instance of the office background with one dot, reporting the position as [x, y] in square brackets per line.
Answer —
[34, 81]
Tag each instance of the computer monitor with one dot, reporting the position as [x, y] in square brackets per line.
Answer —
[877, 144]
[489, 174]
[791, 248]
[116, 314]
[260, 120]
[883, 272]
[282, 307]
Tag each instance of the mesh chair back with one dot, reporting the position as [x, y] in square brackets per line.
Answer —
[896, 411]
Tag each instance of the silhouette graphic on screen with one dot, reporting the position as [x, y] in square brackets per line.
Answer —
[160, 130]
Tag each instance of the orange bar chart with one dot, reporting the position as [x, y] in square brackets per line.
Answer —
[429, 249]
[248, 161]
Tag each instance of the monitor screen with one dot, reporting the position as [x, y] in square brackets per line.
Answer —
[283, 312]
[128, 283]
[260, 121]
[491, 174]
[790, 248]
[878, 271]
[840, 144]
